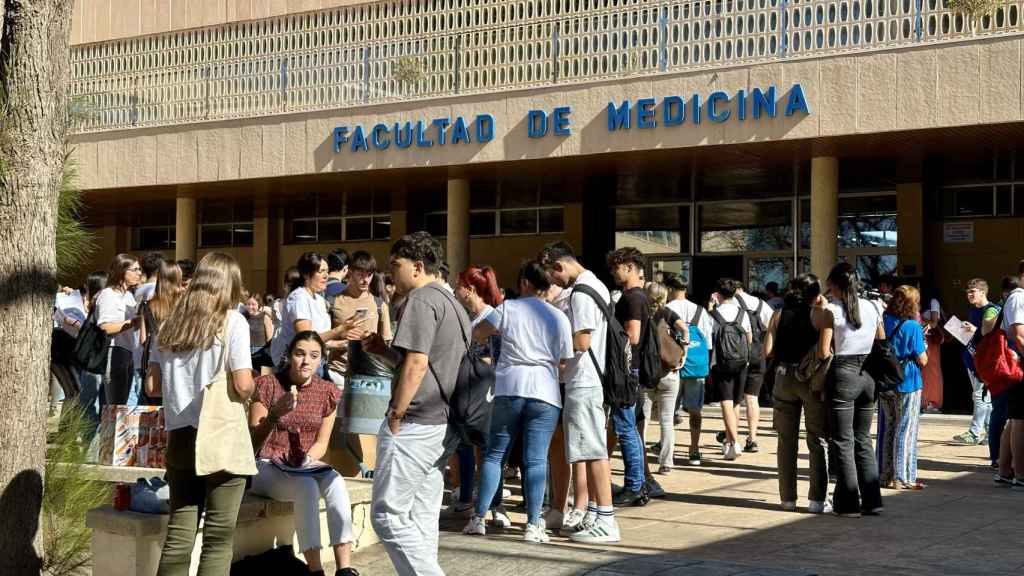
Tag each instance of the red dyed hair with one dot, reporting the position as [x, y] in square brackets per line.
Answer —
[484, 281]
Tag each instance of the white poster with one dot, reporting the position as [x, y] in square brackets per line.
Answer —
[958, 232]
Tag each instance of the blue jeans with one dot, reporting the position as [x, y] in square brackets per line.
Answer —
[624, 423]
[467, 476]
[91, 398]
[537, 420]
[982, 405]
[997, 421]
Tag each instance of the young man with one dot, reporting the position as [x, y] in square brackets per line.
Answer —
[408, 483]
[632, 311]
[691, 390]
[760, 313]
[188, 270]
[356, 300]
[337, 274]
[771, 291]
[1011, 446]
[583, 406]
[150, 266]
[730, 379]
[981, 319]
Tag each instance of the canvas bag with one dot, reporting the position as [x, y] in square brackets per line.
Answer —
[223, 443]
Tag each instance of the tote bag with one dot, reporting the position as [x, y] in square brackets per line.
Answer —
[223, 443]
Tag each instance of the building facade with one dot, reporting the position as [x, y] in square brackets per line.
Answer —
[748, 138]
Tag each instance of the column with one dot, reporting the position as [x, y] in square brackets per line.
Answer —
[910, 228]
[185, 228]
[824, 214]
[457, 249]
[263, 249]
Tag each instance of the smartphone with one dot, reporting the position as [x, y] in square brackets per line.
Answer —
[361, 312]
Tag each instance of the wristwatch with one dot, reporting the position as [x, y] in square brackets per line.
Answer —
[393, 414]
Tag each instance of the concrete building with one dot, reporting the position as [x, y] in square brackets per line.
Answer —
[751, 138]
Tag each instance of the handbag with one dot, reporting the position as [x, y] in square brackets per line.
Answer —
[996, 363]
[223, 443]
[813, 370]
[672, 346]
[883, 365]
[92, 346]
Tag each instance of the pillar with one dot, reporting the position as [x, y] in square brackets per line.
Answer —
[262, 246]
[910, 227]
[457, 249]
[824, 214]
[185, 228]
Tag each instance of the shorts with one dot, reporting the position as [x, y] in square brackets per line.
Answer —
[693, 393]
[585, 425]
[752, 386]
[730, 386]
[1015, 402]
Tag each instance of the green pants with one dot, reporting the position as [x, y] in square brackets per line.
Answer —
[790, 398]
[218, 495]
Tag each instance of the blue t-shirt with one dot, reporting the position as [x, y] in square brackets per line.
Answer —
[908, 343]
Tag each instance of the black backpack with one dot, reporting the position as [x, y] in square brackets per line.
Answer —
[469, 408]
[732, 351]
[620, 384]
[92, 346]
[652, 369]
[883, 365]
[757, 331]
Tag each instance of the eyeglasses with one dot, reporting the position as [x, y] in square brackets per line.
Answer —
[135, 269]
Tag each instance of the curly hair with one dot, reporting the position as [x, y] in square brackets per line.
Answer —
[905, 302]
[420, 247]
[627, 255]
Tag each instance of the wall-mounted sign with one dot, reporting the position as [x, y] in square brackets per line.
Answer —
[643, 114]
[958, 232]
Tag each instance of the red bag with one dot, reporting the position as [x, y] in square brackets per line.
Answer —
[996, 363]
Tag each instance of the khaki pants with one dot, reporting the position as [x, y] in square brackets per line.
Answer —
[791, 396]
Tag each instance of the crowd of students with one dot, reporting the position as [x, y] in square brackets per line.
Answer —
[180, 330]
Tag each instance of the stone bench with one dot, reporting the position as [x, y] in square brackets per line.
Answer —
[129, 543]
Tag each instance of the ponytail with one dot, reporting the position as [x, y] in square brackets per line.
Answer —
[844, 277]
[485, 282]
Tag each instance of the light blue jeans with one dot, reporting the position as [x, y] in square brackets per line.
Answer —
[536, 420]
[982, 405]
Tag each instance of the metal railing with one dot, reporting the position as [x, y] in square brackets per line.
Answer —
[414, 49]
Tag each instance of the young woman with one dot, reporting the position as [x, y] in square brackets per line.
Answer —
[931, 393]
[261, 332]
[91, 395]
[792, 333]
[536, 342]
[850, 327]
[900, 412]
[115, 314]
[167, 290]
[667, 390]
[296, 400]
[202, 330]
[305, 309]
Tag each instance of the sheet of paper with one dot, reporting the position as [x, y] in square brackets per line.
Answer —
[71, 305]
[955, 327]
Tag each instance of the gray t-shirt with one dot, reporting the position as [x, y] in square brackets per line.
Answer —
[433, 323]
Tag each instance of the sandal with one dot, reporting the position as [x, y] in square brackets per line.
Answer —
[915, 486]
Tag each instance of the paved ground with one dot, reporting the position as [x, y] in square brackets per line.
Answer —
[722, 518]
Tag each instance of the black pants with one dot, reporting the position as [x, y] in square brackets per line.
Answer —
[122, 367]
[851, 407]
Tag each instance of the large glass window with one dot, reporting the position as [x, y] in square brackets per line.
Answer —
[225, 222]
[154, 226]
[500, 208]
[348, 216]
[761, 271]
[653, 229]
[867, 222]
[746, 226]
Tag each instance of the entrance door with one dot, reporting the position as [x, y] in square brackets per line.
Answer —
[706, 272]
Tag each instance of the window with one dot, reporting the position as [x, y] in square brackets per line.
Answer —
[867, 222]
[154, 226]
[653, 229]
[349, 216]
[973, 201]
[498, 208]
[153, 238]
[227, 222]
[746, 226]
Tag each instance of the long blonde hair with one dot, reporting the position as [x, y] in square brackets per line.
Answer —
[657, 296]
[168, 291]
[199, 314]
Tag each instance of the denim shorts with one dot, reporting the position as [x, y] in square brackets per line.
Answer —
[693, 393]
[585, 425]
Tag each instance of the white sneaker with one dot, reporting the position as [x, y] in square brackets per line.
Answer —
[500, 519]
[725, 450]
[475, 526]
[553, 519]
[731, 452]
[788, 506]
[572, 522]
[536, 533]
[600, 532]
[819, 507]
[506, 493]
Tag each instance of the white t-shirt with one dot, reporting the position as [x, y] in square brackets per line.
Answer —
[300, 305]
[113, 306]
[145, 292]
[730, 311]
[535, 337]
[1013, 313]
[586, 316]
[183, 376]
[850, 342]
[766, 310]
[481, 316]
[686, 310]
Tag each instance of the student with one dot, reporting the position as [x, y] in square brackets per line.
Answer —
[188, 269]
[261, 332]
[116, 315]
[337, 275]
[1011, 445]
[583, 413]
[998, 417]
[536, 344]
[357, 304]
[667, 390]
[851, 326]
[981, 319]
[297, 398]
[760, 315]
[203, 336]
[772, 297]
[691, 387]
[633, 312]
[408, 483]
[150, 268]
[91, 395]
[730, 364]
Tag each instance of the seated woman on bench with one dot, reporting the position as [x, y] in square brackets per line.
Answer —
[291, 417]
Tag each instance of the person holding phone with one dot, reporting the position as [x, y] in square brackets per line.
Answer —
[371, 316]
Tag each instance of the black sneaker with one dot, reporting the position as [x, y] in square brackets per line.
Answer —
[751, 446]
[617, 489]
[347, 572]
[720, 437]
[653, 489]
[630, 498]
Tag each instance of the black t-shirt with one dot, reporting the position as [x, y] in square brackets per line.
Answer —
[633, 306]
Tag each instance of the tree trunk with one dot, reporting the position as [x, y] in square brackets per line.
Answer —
[34, 79]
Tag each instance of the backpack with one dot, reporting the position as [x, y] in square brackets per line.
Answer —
[620, 384]
[92, 346]
[757, 331]
[995, 362]
[672, 343]
[884, 365]
[652, 365]
[732, 351]
[697, 353]
[469, 415]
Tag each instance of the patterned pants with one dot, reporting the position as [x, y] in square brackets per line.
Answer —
[898, 422]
